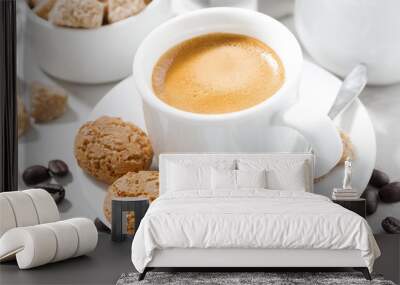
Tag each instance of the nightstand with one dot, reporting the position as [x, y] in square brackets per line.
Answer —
[357, 206]
[122, 209]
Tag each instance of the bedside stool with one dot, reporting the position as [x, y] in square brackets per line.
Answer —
[357, 206]
[121, 208]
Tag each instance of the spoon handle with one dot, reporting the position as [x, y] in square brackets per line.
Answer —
[351, 88]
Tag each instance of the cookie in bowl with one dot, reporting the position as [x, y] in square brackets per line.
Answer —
[118, 10]
[109, 147]
[87, 14]
[77, 13]
[91, 41]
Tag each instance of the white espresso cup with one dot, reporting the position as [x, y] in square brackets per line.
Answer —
[249, 130]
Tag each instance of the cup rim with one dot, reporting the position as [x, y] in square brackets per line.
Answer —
[147, 93]
[40, 21]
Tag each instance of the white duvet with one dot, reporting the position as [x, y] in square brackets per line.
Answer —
[250, 219]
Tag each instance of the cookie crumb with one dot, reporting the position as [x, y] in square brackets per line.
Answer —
[47, 102]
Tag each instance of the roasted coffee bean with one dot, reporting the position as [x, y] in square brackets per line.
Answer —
[58, 167]
[379, 178]
[371, 196]
[100, 226]
[35, 174]
[390, 193]
[55, 190]
[391, 225]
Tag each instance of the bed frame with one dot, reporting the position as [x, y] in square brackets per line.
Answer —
[246, 259]
[249, 259]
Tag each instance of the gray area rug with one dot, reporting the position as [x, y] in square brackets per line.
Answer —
[269, 278]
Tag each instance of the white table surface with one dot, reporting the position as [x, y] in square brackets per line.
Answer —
[55, 139]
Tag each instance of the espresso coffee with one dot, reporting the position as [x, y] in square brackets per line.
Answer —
[217, 73]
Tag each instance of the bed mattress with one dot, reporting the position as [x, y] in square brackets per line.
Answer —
[250, 219]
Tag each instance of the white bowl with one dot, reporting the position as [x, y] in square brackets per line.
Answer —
[92, 56]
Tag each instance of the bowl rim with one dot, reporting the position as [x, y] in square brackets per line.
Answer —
[35, 18]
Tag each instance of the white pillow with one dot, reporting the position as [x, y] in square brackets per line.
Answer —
[251, 178]
[181, 178]
[223, 179]
[292, 179]
[282, 174]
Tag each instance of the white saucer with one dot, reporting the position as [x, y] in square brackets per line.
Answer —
[318, 89]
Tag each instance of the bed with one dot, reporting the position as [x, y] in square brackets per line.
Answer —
[247, 210]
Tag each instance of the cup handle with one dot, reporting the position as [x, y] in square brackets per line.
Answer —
[320, 132]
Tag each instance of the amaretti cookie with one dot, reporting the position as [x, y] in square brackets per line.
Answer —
[133, 184]
[109, 147]
[77, 13]
[47, 102]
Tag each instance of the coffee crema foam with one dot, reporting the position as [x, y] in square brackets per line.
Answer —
[217, 73]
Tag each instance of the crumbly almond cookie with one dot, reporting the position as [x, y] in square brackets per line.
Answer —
[136, 184]
[126, 185]
[23, 122]
[149, 181]
[47, 102]
[42, 8]
[108, 148]
[122, 9]
[133, 184]
[77, 13]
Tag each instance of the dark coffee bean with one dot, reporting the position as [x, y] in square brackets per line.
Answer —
[379, 178]
[100, 226]
[58, 167]
[371, 196]
[390, 193]
[391, 225]
[35, 174]
[55, 190]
